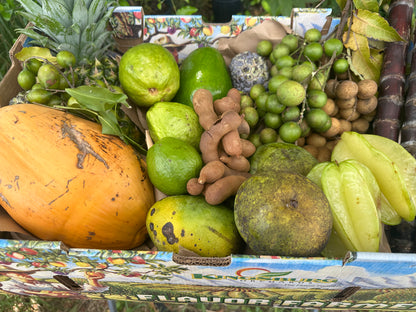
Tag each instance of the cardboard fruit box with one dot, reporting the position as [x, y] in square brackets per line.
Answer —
[361, 280]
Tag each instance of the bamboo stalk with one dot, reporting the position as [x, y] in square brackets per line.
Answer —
[393, 75]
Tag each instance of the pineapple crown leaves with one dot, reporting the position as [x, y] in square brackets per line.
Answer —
[79, 26]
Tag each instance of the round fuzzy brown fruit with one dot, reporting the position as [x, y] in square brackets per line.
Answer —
[346, 89]
[367, 88]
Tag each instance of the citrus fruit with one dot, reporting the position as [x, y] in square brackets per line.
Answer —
[251, 115]
[171, 119]
[275, 81]
[171, 162]
[33, 64]
[273, 105]
[290, 93]
[256, 90]
[49, 76]
[290, 131]
[65, 59]
[333, 45]
[312, 35]
[285, 61]
[261, 101]
[268, 135]
[40, 96]
[302, 71]
[316, 98]
[340, 66]
[280, 50]
[287, 72]
[317, 119]
[190, 222]
[291, 113]
[148, 74]
[26, 79]
[245, 101]
[291, 41]
[313, 51]
[272, 120]
[264, 48]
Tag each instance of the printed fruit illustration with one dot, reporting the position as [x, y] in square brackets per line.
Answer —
[171, 162]
[171, 119]
[275, 223]
[203, 68]
[396, 183]
[189, 222]
[273, 157]
[149, 74]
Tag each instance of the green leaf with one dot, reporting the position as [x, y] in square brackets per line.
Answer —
[187, 10]
[341, 3]
[370, 5]
[96, 98]
[372, 25]
[29, 52]
[109, 123]
[360, 59]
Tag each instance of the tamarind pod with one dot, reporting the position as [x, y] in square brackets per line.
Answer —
[393, 73]
[211, 172]
[231, 143]
[244, 127]
[234, 94]
[211, 138]
[222, 189]
[193, 187]
[202, 102]
[228, 171]
[248, 148]
[226, 104]
[239, 163]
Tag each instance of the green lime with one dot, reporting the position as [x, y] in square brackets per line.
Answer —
[273, 105]
[33, 64]
[317, 119]
[256, 90]
[290, 93]
[246, 101]
[264, 48]
[280, 50]
[274, 70]
[285, 61]
[268, 135]
[291, 113]
[313, 51]
[275, 81]
[340, 66]
[290, 131]
[26, 79]
[292, 41]
[49, 76]
[325, 127]
[54, 100]
[306, 130]
[255, 139]
[272, 120]
[302, 71]
[39, 96]
[316, 98]
[36, 86]
[312, 35]
[333, 45]
[171, 163]
[260, 102]
[318, 81]
[66, 59]
[286, 71]
[250, 115]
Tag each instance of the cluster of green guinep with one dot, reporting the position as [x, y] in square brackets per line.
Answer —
[288, 105]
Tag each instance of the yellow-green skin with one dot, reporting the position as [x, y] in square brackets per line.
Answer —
[174, 120]
[190, 222]
[148, 73]
[283, 215]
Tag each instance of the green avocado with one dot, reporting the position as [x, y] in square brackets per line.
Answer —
[203, 68]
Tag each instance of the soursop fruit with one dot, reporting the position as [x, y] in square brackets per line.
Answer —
[247, 69]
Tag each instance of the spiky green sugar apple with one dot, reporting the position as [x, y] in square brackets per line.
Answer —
[247, 69]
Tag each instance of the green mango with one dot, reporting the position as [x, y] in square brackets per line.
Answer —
[203, 68]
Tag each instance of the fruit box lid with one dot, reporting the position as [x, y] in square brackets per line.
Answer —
[48, 268]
